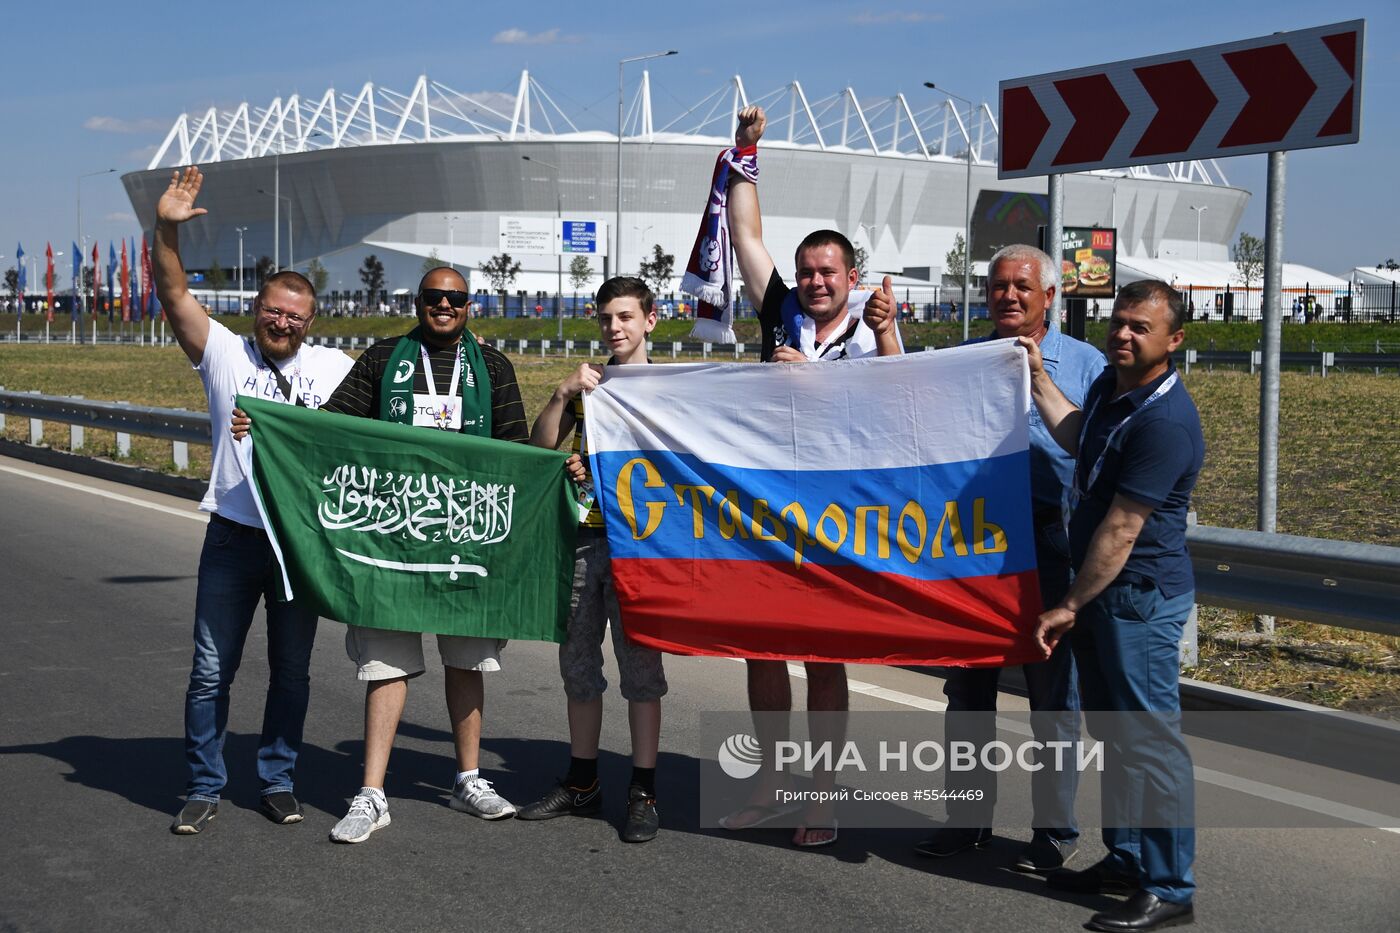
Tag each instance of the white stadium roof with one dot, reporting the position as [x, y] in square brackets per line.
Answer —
[434, 112]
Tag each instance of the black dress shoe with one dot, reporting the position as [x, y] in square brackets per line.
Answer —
[1142, 911]
[1098, 878]
[950, 840]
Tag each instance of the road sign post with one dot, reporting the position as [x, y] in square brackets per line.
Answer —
[1290, 90]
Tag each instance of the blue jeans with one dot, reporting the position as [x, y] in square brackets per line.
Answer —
[1054, 701]
[1126, 643]
[236, 569]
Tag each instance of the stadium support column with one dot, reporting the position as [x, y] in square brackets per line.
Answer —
[1054, 237]
[1272, 324]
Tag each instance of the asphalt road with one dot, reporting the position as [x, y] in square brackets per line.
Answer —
[98, 581]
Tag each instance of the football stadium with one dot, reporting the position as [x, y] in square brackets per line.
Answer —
[434, 171]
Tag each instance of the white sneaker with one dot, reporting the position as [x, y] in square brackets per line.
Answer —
[477, 798]
[368, 811]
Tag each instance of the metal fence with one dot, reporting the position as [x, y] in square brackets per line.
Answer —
[1338, 583]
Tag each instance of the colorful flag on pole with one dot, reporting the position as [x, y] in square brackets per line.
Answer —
[873, 511]
[111, 284]
[77, 281]
[126, 286]
[23, 277]
[96, 282]
[48, 281]
[135, 284]
[399, 527]
[148, 282]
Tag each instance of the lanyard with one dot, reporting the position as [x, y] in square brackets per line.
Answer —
[1080, 491]
[283, 382]
[428, 373]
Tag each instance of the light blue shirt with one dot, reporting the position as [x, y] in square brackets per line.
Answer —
[1073, 366]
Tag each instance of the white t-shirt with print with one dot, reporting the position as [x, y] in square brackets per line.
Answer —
[233, 366]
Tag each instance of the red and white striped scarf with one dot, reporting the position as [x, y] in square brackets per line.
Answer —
[709, 274]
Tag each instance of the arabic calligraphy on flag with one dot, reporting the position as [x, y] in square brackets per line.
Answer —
[396, 527]
[871, 511]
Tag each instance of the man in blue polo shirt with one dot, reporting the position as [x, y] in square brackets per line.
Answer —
[1139, 448]
[1021, 282]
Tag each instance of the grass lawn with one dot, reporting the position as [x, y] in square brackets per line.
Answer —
[1339, 451]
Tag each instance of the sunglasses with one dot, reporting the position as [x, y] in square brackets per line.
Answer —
[432, 297]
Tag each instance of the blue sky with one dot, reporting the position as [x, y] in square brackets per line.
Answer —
[94, 90]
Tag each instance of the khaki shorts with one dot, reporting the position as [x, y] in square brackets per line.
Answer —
[382, 654]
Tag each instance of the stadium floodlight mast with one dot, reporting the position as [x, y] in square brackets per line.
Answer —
[967, 207]
[240, 231]
[559, 251]
[291, 244]
[617, 220]
[1199, 211]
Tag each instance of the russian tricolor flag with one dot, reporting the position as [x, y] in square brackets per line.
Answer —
[873, 511]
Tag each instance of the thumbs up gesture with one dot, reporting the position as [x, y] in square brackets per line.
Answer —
[880, 313]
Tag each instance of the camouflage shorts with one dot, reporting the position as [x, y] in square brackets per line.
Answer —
[593, 604]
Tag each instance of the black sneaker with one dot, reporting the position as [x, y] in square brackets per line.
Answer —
[563, 801]
[950, 840]
[1100, 878]
[642, 821]
[193, 817]
[1044, 853]
[282, 808]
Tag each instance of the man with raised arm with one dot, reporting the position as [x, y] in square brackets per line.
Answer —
[1139, 448]
[237, 566]
[824, 318]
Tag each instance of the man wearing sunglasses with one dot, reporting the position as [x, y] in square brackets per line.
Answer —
[435, 376]
[237, 566]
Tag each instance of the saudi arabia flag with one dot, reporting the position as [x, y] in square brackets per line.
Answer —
[408, 528]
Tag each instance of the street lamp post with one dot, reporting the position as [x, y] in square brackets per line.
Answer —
[240, 231]
[559, 254]
[291, 250]
[1199, 211]
[617, 219]
[452, 237]
[967, 209]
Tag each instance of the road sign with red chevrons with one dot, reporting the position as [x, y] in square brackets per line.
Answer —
[1291, 90]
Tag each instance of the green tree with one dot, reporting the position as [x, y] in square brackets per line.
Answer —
[501, 271]
[216, 277]
[1249, 258]
[1390, 265]
[261, 270]
[318, 275]
[656, 272]
[862, 259]
[955, 262]
[372, 275]
[12, 281]
[432, 261]
[580, 271]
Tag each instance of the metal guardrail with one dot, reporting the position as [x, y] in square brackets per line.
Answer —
[1337, 583]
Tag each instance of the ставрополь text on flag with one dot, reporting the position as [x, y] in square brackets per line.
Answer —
[399, 527]
[872, 511]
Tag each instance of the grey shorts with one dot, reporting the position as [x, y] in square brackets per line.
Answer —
[593, 604]
[382, 654]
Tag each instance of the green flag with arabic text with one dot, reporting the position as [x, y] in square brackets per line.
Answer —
[398, 527]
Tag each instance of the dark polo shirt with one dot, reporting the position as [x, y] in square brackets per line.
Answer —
[1154, 461]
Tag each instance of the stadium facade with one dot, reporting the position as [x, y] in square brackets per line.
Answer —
[403, 175]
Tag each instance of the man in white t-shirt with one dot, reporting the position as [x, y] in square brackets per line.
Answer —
[237, 566]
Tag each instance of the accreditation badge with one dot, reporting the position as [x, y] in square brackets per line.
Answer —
[443, 413]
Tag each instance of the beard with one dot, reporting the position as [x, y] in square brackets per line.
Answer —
[273, 348]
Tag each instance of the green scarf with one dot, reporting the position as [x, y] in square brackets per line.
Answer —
[475, 384]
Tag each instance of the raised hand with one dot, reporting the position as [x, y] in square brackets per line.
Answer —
[583, 379]
[752, 120]
[880, 309]
[177, 204]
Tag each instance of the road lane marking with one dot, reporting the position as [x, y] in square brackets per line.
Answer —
[154, 506]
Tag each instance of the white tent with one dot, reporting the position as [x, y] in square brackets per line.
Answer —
[1366, 275]
[1216, 275]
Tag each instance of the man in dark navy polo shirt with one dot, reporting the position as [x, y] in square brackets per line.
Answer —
[1139, 447]
[1021, 282]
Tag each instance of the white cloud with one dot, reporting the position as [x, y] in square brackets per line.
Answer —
[118, 125]
[895, 16]
[515, 36]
